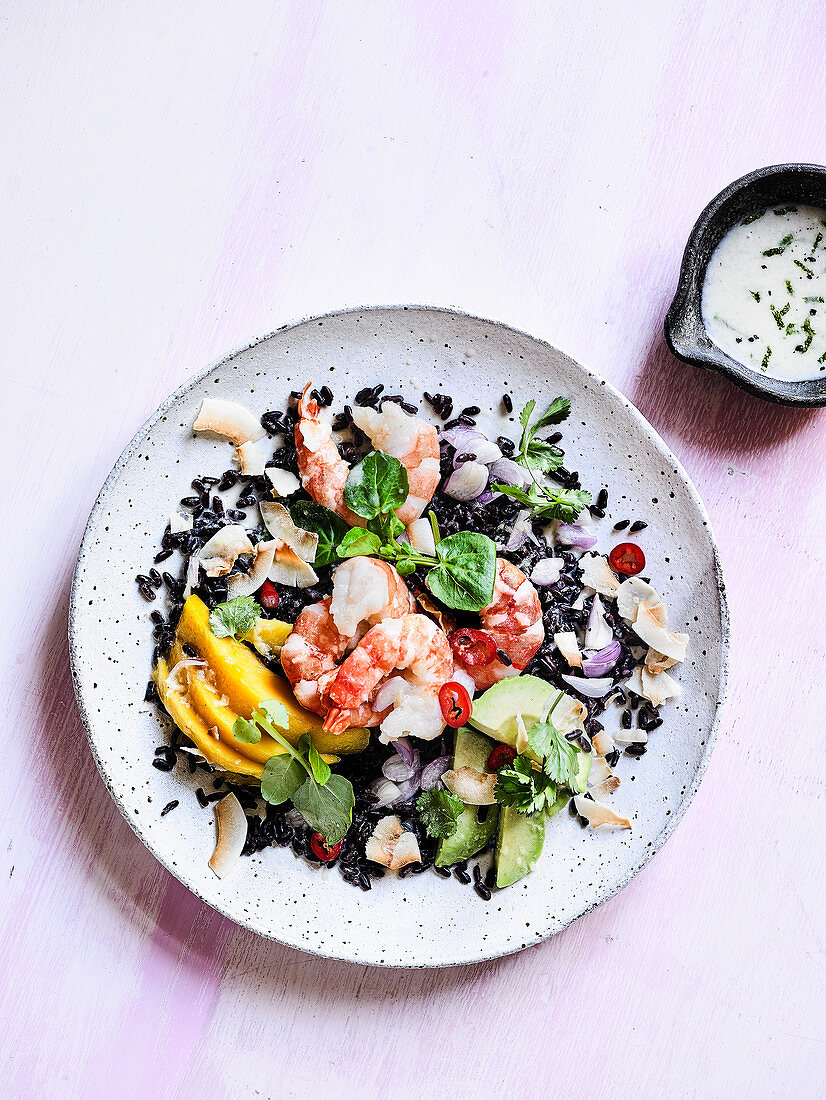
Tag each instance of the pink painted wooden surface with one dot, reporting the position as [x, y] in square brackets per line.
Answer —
[179, 178]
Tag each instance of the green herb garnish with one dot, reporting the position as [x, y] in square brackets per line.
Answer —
[766, 358]
[779, 314]
[808, 271]
[527, 789]
[779, 249]
[463, 570]
[439, 812]
[234, 618]
[329, 527]
[818, 239]
[548, 502]
[790, 288]
[755, 294]
[752, 218]
[785, 210]
[323, 799]
[810, 335]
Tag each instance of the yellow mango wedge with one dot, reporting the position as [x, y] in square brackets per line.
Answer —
[189, 721]
[245, 681]
[268, 636]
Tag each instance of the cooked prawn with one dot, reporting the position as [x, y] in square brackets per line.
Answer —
[365, 591]
[413, 644]
[513, 619]
[411, 440]
[323, 470]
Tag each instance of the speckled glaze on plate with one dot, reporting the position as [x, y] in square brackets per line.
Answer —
[421, 920]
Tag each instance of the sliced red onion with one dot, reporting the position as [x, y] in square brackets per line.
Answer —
[397, 770]
[409, 788]
[508, 472]
[547, 571]
[486, 497]
[521, 531]
[462, 439]
[592, 689]
[467, 481]
[486, 451]
[603, 661]
[434, 771]
[387, 793]
[575, 535]
[389, 693]
[405, 750]
[598, 633]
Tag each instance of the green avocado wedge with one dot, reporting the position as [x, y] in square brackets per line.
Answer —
[518, 845]
[472, 835]
[495, 711]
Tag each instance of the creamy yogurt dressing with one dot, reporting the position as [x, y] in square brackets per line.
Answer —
[764, 290]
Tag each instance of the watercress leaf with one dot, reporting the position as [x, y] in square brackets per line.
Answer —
[234, 618]
[466, 572]
[282, 777]
[329, 527]
[405, 567]
[558, 410]
[327, 809]
[376, 485]
[320, 768]
[276, 712]
[359, 543]
[439, 812]
[246, 732]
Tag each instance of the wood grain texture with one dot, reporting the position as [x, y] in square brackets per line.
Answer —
[179, 178]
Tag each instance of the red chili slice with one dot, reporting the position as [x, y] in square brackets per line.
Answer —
[455, 703]
[501, 757]
[627, 558]
[322, 850]
[473, 648]
[269, 598]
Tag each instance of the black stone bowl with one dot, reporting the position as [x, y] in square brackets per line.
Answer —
[685, 332]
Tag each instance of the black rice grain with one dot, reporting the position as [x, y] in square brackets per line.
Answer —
[638, 525]
[203, 801]
[507, 401]
[442, 872]
[169, 807]
[461, 875]
[623, 523]
[602, 498]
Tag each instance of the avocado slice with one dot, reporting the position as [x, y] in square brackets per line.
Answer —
[518, 845]
[520, 840]
[495, 711]
[472, 751]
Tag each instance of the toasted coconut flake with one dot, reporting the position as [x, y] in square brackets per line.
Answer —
[229, 420]
[405, 850]
[521, 735]
[288, 568]
[569, 714]
[244, 584]
[391, 846]
[624, 738]
[599, 770]
[567, 644]
[648, 625]
[631, 593]
[175, 679]
[232, 835]
[656, 689]
[596, 574]
[252, 457]
[179, 523]
[219, 553]
[284, 483]
[280, 525]
[603, 743]
[420, 534]
[606, 787]
[193, 567]
[597, 813]
[657, 662]
[473, 787]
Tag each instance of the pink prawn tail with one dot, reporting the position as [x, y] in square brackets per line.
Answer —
[337, 720]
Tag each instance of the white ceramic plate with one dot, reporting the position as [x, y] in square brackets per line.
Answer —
[422, 920]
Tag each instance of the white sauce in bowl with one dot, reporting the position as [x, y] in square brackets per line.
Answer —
[764, 290]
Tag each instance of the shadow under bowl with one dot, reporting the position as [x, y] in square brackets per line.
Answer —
[685, 332]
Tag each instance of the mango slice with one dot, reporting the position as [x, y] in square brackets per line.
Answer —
[268, 636]
[187, 719]
[245, 681]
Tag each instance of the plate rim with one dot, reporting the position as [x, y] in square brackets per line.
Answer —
[725, 630]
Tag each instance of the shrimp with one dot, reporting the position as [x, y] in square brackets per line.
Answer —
[365, 591]
[411, 440]
[323, 470]
[513, 619]
[412, 643]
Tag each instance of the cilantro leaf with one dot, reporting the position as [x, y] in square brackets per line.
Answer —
[557, 752]
[558, 410]
[549, 503]
[524, 788]
[327, 808]
[234, 618]
[439, 812]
